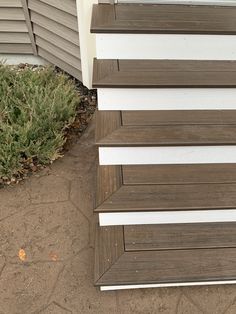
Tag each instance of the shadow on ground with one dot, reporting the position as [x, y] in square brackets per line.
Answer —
[50, 217]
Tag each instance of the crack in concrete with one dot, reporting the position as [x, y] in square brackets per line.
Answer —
[194, 303]
[62, 307]
[230, 304]
[2, 269]
[178, 303]
[55, 283]
[46, 306]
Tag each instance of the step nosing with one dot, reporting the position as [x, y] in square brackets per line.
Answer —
[164, 19]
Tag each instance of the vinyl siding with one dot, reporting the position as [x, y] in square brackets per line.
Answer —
[55, 27]
[48, 28]
[14, 35]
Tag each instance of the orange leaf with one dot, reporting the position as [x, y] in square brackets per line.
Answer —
[53, 257]
[22, 255]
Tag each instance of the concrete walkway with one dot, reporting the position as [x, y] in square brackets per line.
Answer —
[51, 218]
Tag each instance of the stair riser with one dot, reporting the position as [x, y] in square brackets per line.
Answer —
[166, 46]
[166, 98]
[166, 285]
[167, 155]
[166, 217]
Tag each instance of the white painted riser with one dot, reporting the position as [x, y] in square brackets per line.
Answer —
[166, 98]
[167, 155]
[166, 285]
[167, 217]
[166, 46]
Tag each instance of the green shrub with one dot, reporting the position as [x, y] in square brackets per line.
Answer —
[36, 107]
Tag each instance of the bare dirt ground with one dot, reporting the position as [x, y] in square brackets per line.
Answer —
[47, 244]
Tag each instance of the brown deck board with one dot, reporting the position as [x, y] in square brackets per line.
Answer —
[179, 236]
[179, 174]
[171, 136]
[164, 74]
[114, 128]
[200, 187]
[163, 19]
[177, 117]
[115, 265]
[109, 180]
[171, 198]
[197, 265]
[109, 247]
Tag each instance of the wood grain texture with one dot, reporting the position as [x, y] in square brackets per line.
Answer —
[187, 262]
[103, 69]
[109, 180]
[179, 174]
[166, 128]
[166, 188]
[171, 136]
[108, 249]
[178, 117]
[172, 266]
[106, 123]
[179, 236]
[132, 198]
[164, 74]
[163, 19]
[102, 15]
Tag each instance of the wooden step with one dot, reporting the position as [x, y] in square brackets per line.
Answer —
[166, 137]
[165, 255]
[164, 74]
[163, 19]
[165, 84]
[114, 128]
[166, 194]
[190, 32]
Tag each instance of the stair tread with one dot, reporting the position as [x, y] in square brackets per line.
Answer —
[164, 74]
[166, 188]
[163, 19]
[179, 236]
[165, 254]
[126, 131]
[177, 117]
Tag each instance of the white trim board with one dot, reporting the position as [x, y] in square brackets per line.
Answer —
[167, 285]
[166, 98]
[167, 155]
[167, 217]
[87, 40]
[166, 46]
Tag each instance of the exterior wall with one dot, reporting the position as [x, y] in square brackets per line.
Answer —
[47, 28]
[56, 33]
[14, 31]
